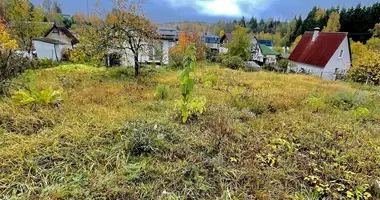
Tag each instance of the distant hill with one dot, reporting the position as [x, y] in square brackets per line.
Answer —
[199, 27]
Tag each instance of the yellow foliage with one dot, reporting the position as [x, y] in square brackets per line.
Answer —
[333, 24]
[319, 14]
[365, 62]
[374, 44]
[5, 41]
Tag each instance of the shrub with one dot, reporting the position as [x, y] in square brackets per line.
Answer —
[162, 92]
[175, 59]
[345, 100]
[47, 63]
[234, 62]
[191, 109]
[36, 97]
[11, 65]
[141, 142]
[210, 80]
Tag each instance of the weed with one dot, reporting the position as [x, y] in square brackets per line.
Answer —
[36, 97]
[162, 92]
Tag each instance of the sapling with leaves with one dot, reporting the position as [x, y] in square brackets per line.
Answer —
[189, 106]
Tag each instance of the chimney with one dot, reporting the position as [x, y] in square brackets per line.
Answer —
[315, 34]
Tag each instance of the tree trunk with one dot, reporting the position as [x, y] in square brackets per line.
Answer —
[137, 66]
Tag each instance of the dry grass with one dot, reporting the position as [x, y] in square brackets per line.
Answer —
[260, 137]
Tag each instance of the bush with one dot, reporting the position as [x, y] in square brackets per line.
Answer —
[175, 59]
[11, 65]
[47, 63]
[234, 62]
[345, 101]
[162, 92]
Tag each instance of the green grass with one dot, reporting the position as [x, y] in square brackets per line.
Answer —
[263, 136]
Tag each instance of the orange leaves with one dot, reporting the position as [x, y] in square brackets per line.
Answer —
[184, 40]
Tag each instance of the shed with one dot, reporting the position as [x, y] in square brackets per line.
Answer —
[47, 48]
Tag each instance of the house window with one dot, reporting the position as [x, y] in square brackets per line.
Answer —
[341, 53]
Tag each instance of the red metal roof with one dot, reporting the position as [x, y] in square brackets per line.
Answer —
[320, 51]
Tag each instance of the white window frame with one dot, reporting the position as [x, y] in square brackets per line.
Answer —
[341, 53]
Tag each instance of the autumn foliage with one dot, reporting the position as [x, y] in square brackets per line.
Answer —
[5, 41]
[365, 63]
[186, 39]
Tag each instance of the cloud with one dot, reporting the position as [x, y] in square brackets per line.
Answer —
[230, 8]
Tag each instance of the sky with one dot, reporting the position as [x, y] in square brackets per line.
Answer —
[160, 11]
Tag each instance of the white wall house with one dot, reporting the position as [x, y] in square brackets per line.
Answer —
[55, 41]
[48, 48]
[156, 53]
[63, 35]
[262, 53]
[322, 54]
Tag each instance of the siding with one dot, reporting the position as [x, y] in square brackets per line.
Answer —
[47, 50]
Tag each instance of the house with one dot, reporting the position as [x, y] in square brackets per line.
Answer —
[55, 41]
[262, 53]
[63, 35]
[212, 41]
[322, 54]
[47, 48]
[226, 38]
[268, 43]
[157, 53]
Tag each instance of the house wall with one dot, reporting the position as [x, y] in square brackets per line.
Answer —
[311, 69]
[144, 56]
[60, 36]
[46, 50]
[257, 55]
[166, 45]
[336, 64]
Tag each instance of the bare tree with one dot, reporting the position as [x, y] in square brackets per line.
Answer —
[131, 31]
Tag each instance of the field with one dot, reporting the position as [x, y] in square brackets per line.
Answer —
[263, 136]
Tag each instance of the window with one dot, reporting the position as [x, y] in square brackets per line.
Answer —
[341, 53]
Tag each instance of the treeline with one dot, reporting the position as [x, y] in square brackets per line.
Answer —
[359, 19]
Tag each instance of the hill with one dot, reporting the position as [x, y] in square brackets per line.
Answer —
[199, 27]
[263, 136]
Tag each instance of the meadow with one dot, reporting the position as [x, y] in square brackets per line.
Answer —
[263, 135]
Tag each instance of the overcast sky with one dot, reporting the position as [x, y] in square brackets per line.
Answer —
[213, 10]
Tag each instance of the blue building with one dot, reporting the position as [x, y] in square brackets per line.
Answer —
[212, 41]
[268, 43]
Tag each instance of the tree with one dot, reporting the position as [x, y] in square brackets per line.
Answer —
[221, 33]
[6, 43]
[376, 30]
[131, 32]
[242, 22]
[374, 44]
[57, 7]
[365, 64]
[240, 44]
[333, 24]
[25, 23]
[253, 24]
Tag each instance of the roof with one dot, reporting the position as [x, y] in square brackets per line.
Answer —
[319, 52]
[168, 33]
[267, 51]
[268, 43]
[227, 36]
[74, 40]
[48, 40]
[209, 35]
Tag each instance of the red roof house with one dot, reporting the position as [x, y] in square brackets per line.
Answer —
[322, 54]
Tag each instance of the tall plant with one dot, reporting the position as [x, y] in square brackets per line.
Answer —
[189, 106]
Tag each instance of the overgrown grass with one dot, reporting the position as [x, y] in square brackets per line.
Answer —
[263, 136]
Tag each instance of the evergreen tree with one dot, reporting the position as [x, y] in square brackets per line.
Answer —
[253, 24]
[242, 22]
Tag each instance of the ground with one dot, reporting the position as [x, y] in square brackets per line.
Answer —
[263, 136]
